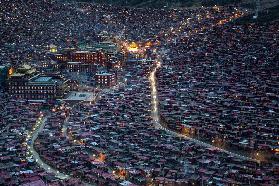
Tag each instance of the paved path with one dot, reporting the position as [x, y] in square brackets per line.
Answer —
[32, 138]
[30, 145]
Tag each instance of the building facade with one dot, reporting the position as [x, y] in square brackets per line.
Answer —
[38, 87]
[81, 67]
[95, 57]
[104, 54]
[105, 79]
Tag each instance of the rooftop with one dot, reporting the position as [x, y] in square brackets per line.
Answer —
[43, 79]
[40, 79]
[74, 62]
[17, 75]
[103, 74]
[80, 96]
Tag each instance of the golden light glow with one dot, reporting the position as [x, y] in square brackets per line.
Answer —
[53, 48]
[133, 47]
[101, 158]
[11, 71]
[120, 173]
[235, 16]
[148, 44]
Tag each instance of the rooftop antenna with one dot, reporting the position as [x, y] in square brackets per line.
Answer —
[258, 6]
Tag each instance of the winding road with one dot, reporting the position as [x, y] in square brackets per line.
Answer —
[158, 125]
[31, 138]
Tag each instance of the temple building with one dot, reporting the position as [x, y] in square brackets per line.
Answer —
[104, 54]
[25, 83]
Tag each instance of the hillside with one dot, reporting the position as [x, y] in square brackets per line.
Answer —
[265, 16]
[165, 3]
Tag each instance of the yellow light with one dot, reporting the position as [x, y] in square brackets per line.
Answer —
[11, 71]
[148, 44]
[133, 47]
[53, 48]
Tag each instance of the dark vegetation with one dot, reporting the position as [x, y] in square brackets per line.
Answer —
[264, 16]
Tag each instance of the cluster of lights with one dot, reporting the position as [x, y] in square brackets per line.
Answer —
[152, 79]
[155, 115]
[120, 173]
[30, 136]
[133, 47]
[28, 142]
[235, 16]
